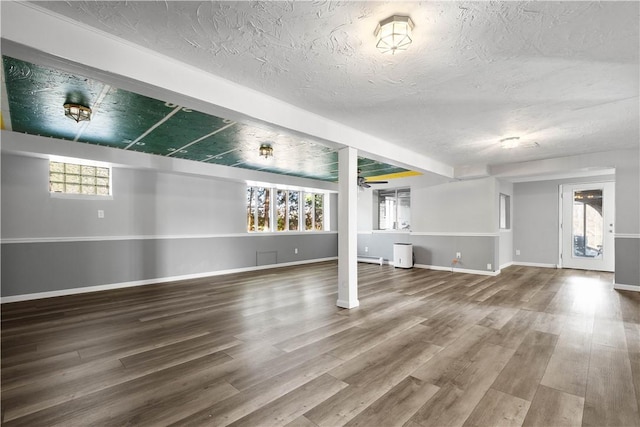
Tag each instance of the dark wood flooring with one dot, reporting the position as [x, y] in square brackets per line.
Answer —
[532, 346]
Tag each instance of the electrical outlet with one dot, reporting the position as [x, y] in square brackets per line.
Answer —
[100, 213]
[295, 251]
[458, 255]
[517, 251]
[488, 266]
[366, 248]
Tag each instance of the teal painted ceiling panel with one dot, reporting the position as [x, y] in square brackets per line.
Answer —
[122, 118]
[184, 127]
[37, 96]
[126, 120]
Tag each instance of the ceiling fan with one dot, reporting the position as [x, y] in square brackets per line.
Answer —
[363, 183]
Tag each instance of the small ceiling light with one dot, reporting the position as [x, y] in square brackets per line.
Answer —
[394, 34]
[515, 142]
[511, 142]
[77, 112]
[266, 150]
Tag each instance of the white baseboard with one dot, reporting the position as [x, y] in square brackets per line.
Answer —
[97, 288]
[623, 287]
[508, 264]
[458, 270]
[348, 304]
[535, 264]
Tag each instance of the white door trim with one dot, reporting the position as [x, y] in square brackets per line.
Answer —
[587, 185]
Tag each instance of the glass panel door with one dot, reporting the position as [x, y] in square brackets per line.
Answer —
[588, 224]
[587, 229]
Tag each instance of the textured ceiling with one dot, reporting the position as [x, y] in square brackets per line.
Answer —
[562, 74]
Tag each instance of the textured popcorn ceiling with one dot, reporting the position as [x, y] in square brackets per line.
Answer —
[562, 74]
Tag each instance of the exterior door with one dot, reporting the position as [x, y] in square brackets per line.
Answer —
[587, 226]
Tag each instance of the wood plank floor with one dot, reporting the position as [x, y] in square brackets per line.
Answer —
[532, 346]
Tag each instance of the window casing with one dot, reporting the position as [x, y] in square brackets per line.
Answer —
[293, 211]
[505, 212]
[313, 211]
[284, 206]
[79, 179]
[258, 209]
[394, 209]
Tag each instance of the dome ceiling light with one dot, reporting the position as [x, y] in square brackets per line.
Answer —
[394, 34]
[77, 112]
[266, 150]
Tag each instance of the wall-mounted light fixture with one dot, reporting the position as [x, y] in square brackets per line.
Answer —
[77, 112]
[394, 34]
[266, 150]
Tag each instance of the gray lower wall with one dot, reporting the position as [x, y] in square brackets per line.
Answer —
[506, 248]
[52, 266]
[380, 244]
[476, 251]
[628, 261]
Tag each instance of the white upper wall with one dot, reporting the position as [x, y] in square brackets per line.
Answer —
[144, 203]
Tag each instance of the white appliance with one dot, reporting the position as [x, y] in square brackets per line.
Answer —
[403, 255]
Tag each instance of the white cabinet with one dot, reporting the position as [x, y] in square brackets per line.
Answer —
[403, 255]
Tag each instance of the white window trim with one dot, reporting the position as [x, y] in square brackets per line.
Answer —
[55, 195]
[507, 211]
[397, 205]
[82, 162]
[273, 212]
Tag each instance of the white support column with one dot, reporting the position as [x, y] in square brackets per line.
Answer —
[348, 228]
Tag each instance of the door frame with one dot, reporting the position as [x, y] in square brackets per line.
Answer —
[561, 216]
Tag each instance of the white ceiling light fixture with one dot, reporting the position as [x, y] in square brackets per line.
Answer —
[510, 142]
[394, 34]
[77, 112]
[515, 142]
[266, 150]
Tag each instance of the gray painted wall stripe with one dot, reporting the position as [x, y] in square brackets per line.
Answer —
[52, 266]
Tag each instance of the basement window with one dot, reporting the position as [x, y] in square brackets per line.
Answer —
[313, 211]
[287, 210]
[79, 179]
[394, 209]
[271, 209]
[258, 209]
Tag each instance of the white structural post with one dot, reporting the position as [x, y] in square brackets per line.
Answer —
[348, 228]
